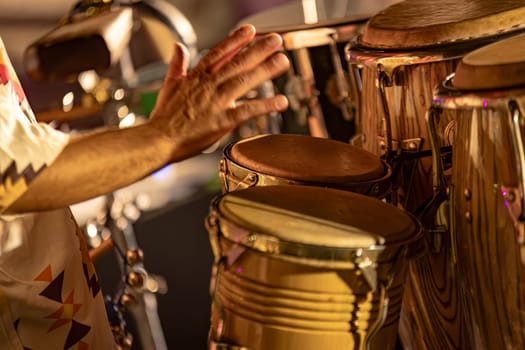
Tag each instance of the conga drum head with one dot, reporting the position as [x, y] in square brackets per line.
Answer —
[496, 66]
[414, 24]
[287, 220]
[308, 159]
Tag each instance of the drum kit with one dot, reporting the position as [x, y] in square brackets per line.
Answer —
[388, 211]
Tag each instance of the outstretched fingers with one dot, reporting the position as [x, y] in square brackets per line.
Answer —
[228, 48]
[252, 108]
[251, 57]
[240, 84]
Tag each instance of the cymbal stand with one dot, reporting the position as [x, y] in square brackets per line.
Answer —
[136, 292]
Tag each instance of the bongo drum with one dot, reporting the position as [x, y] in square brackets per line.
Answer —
[292, 159]
[318, 86]
[486, 191]
[303, 267]
[405, 51]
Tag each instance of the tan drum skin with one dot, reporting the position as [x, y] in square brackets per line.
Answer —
[286, 278]
[405, 52]
[486, 193]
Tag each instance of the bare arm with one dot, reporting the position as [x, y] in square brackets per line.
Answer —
[193, 111]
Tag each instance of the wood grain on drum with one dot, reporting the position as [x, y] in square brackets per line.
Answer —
[409, 99]
[490, 258]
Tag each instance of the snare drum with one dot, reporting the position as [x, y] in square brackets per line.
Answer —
[279, 159]
[405, 51]
[487, 96]
[318, 87]
[302, 267]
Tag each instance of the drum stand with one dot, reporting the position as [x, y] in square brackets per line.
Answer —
[136, 294]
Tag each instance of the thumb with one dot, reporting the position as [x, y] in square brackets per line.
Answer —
[179, 63]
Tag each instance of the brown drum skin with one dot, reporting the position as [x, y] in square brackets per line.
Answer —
[485, 204]
[291, 159]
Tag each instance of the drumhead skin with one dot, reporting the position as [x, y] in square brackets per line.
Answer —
[306, 158]
[495, 66]
[318, 13]
[422, 23]
[313, 216]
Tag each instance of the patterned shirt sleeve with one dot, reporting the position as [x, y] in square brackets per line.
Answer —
[26, 147]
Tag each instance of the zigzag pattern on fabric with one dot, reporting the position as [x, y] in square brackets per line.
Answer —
[14, 183]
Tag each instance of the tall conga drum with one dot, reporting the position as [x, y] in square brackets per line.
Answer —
[305, 267]
[486, 191]
[405, 51]
[322, 97]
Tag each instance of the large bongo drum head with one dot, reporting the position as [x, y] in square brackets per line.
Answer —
[309, 159]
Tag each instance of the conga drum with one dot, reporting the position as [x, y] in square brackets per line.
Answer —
[318, 86]
[305, 267]
[486, 191]
[405, 51]
[292, 159]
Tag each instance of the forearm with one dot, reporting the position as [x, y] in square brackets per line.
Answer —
[94, 164]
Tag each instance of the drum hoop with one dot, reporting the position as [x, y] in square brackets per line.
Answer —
[392, 59]
[377, 187]
[304, 254]
[446, 96]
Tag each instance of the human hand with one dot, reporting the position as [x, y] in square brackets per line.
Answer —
[196, 108]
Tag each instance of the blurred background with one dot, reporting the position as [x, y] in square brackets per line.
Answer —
[170, 229]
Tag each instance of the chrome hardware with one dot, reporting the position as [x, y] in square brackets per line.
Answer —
[407, 145]
[224, 346]
[381, 316]
[345, 104]
[383, 82]
[518, 123]
[468, 217]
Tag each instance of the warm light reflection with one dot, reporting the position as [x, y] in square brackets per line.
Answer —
[127, 121]
[88, 80]
[67, 101]
[310, 12]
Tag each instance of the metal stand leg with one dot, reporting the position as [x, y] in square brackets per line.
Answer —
[137, 293]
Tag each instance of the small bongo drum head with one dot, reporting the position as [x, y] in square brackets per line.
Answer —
[307, 158]
[314, 216]
[301, 15]
[495, 66]
[423, 23]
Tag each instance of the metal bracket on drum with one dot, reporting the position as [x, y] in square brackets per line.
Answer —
[441, 189]
[518, 123]
[408, 145]
[383, 82]
[250, 180]
[346, 105]
[224, 346]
